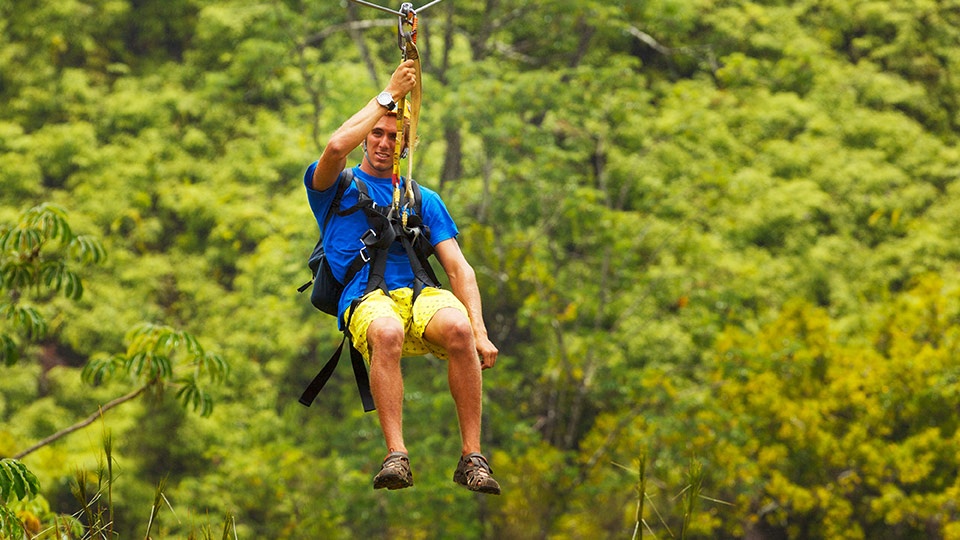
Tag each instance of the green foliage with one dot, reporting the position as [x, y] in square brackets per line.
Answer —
[37, 256]
[10, 525]
[26, 263]
[830, 436]
[153, 359]
[16, 483]
[720, 231]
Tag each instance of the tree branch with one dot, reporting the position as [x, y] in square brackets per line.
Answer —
[80, 425]
[650, 41]
[350, 26]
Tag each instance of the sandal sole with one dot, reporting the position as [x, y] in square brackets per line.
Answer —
[489, 490]
[391, 482]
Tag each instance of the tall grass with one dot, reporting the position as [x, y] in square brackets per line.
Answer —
[95, 518]
[690, 495]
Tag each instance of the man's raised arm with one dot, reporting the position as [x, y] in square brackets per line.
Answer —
[349, 135]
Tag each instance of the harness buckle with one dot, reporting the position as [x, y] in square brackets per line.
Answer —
[413, 233]
[368, 239]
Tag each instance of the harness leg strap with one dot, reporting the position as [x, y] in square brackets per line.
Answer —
[363, 382]
[321, 379]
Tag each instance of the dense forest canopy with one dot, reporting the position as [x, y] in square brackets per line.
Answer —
[716, 242]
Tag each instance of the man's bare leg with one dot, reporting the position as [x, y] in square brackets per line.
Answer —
[451, 329]
[385, 339]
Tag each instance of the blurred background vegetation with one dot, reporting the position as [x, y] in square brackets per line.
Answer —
[710, 234]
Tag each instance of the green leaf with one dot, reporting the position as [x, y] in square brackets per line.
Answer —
[74, 287]
[193, 346]
[101, 369]
[8, 350]
[50, 219]
[19, 274]
[193, 397]
[16, 479]
[87, 249]
[135, 363]
[164, 367]
[26, 320]
[10, 524]
[215, 367]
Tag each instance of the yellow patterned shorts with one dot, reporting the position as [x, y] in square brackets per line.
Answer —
[413, 316]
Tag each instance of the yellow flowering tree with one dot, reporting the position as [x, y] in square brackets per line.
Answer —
[823, 428]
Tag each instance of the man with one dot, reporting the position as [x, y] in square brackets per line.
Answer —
[386, 327]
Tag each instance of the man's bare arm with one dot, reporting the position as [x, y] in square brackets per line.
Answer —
[349, 135]
[463, 283]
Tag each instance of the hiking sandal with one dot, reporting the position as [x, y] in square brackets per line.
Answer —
[394, 473]
[474, 473]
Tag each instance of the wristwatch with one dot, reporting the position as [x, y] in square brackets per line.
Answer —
[385, 99]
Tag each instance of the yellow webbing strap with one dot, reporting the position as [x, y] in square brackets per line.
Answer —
[415, 97]
[397, 150]
[408, 44]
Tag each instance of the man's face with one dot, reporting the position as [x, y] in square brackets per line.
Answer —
[381, 142]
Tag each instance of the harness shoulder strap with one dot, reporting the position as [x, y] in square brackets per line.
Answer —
[345, 178]
[364, 202]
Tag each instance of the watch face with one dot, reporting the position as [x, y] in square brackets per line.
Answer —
[386, 100]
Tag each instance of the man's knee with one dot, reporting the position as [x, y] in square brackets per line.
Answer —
[386, 335]
[454, 330]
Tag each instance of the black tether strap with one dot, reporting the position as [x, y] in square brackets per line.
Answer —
[359, 371]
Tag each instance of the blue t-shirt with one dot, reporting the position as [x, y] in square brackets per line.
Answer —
[341, 238]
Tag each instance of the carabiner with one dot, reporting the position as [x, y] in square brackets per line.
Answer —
[407, 17]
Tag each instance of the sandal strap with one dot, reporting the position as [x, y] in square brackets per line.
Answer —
[476, 467]
[474, 473]
[477, 459]
[394, 473]
[396, 455]
[396, 460]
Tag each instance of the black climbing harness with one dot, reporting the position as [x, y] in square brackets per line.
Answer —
[385, 230]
